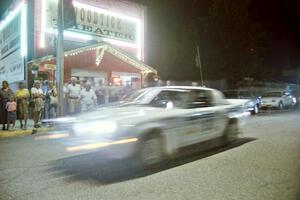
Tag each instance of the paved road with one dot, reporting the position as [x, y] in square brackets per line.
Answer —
[263, 165]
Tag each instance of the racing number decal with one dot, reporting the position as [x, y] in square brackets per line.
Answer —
[195, 128]
[201, 126]
[207, 124]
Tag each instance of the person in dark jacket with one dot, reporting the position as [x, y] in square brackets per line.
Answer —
[5, 93]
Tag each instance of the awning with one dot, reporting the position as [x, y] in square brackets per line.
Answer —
[100, 55]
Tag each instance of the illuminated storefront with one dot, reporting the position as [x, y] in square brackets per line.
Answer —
[115, 26]
[104, 63]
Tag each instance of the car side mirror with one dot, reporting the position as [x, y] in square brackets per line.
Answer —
[169, 105]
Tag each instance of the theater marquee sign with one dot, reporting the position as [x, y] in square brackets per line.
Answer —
[96, 22]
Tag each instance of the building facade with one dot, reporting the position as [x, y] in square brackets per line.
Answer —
[108, 39]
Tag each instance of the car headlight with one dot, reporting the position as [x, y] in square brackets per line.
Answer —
[61, 120]
[95, 128]
[294, 100]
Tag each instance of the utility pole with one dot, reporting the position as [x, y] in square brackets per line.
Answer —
[199, 65]
[60, 58]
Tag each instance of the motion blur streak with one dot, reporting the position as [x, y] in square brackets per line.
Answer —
[49, 137]
[126, 141]
[100, 145]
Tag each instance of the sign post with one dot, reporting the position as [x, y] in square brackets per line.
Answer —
[60, 59]
[199, 64]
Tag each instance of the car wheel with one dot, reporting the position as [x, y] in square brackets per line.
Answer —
[255, 110]
[232, 130]
[280, 106]
[151, 150]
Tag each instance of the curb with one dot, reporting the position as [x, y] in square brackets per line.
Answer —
[16, 133]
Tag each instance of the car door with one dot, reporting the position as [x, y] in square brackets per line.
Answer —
[200, 119]
[220, 107]
[175, 123]
[199, 127]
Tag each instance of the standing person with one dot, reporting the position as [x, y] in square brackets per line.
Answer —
[45, 86]
[168, 83]
[65, 95]
[5, 92]
[38, 99]
[194, 84]
[53, 101]
[100, 96]
[11, 107]
[73, 94]
[45, 111]
[22, 95]
[88, 98]
[82, 83]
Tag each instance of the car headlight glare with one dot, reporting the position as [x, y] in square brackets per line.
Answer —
[94, 128]
[294, 100]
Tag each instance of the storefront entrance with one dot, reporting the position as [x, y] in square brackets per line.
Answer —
[100, 64]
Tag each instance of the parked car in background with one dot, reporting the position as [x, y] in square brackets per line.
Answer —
[252, 101]
[277, 99]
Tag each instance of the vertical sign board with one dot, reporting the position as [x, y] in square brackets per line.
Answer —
[11, 61]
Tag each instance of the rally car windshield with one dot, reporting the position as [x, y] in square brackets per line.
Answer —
[180, 98]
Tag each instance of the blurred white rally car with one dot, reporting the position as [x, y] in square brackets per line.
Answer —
[154, 123]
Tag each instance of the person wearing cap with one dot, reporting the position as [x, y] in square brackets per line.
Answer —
[88, 98]
[73, 95]
[37, 96]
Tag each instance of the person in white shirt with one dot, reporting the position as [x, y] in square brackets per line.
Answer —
[37, 96]
[88, 98]
[73, 95]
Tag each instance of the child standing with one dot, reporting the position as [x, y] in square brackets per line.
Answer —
[11, 107]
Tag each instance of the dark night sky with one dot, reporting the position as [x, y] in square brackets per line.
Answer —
[280, 19]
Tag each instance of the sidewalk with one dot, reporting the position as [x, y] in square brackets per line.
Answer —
[19, 132]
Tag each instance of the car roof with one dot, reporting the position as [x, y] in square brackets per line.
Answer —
[271, 91]
[237, 90]
[187, 88]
